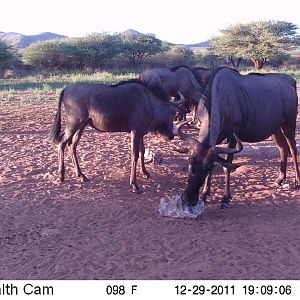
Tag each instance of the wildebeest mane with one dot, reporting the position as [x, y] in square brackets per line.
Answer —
[207, 89]
[257, 74]
[123, 82]
[215, 72]
[157, 90]
[200, 68]
[174, 69]
[206, 93]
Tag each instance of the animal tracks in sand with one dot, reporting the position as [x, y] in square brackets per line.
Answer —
[101, 230]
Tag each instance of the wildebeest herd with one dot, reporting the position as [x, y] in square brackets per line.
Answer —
[225, 104]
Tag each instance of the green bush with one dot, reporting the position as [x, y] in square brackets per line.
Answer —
[173, 56]
[91, 51]
[7, 53]
[9, 59]
[136, 48]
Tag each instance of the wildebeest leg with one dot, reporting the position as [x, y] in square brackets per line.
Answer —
[206, 188]
[283, 148]
[67, 137]
[142, 152]
[135, 142]
[289, 132]
[72, 148]
[194, 113]
[227, 192]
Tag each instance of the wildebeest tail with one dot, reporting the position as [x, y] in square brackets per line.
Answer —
[55, 132]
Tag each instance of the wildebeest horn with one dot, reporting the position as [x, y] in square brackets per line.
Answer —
[185, 136]
[238, 147]
[179, 102]
[181, 96]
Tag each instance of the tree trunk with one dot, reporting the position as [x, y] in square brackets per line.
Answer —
[258, 63]
[234, 62]
[238, 62]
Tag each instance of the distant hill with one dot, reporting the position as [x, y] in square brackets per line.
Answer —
[198, 45]
[22, 41]
[133, 32]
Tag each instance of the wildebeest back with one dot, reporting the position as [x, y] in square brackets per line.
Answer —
[109, 108]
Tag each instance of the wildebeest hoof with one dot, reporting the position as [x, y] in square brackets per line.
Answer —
[136, 190]
[146, 175]
[225, 205]
[278, 182]
[83, 178]
[205, 200]
[204, 196]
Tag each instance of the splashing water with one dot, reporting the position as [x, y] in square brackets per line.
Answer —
[175, 208]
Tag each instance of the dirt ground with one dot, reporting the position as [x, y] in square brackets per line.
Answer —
[101, 230]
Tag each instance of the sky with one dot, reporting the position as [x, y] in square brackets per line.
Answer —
[182, 22]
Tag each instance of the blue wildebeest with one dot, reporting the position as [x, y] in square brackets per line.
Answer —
[124, 107]
[202, 75]
[253, 107]
[172, 81]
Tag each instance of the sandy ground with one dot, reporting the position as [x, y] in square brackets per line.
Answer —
[101, 230]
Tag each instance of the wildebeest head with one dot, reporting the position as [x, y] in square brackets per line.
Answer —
[164, 117]
[182, 109]
[201, 162]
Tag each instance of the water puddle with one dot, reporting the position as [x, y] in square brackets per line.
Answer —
[175, 208]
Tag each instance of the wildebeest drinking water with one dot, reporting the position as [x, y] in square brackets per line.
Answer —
[254, 107]
[125, 107]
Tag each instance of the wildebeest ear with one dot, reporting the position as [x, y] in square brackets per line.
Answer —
[230, 166]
